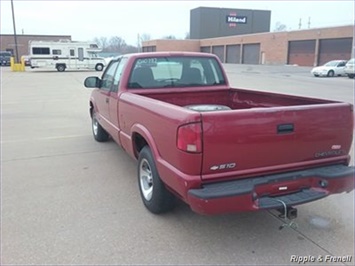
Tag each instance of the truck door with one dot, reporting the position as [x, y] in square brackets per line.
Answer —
[103, 98]
[114, 98]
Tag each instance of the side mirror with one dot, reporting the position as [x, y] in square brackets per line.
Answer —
[92, 82]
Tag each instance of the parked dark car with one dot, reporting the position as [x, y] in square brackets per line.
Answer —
[5, 58]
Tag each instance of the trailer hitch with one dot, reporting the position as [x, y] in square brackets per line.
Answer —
[288, 214]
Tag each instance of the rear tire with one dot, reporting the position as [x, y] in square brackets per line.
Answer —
[61, 68]
[99, 67]
[350, 76]
[99, 133]
[156, 198]
[330, 73]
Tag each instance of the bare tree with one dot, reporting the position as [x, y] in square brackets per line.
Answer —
[280, 27]
[102, 42]
[145, 37]
[169, 37]
[117, 44]
[130, 49]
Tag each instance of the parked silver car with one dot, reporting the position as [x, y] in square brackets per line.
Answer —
[330, 69]
[349, 68]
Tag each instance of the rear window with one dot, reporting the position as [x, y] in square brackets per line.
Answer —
[165, 72]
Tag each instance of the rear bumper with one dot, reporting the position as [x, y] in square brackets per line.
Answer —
[271, 191]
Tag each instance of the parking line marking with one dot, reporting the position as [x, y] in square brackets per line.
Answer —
[46, 138]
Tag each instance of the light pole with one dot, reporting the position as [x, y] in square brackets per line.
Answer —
[15, 36]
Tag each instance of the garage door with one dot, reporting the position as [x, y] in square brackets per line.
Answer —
[301, 52]
[334, 49]
[219, 51]
[233, 54]
[251, 53]
[205, 49]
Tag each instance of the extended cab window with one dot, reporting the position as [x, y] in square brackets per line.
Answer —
[184, 71]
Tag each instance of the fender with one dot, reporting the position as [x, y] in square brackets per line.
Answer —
[144, 132]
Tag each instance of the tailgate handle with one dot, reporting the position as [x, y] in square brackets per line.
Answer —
[284, 128]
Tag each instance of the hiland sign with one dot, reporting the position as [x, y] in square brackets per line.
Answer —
[236, 19]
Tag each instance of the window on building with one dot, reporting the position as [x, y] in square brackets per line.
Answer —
[149, 49]
[57, 51]
[10, 50]
[40, 50]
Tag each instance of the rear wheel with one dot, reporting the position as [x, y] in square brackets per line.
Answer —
[156, 198]
[61, 68]
[99, 67]
[350, 76]
[99, 133]
[330, 73]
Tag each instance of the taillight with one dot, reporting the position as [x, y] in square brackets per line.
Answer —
[189, 137]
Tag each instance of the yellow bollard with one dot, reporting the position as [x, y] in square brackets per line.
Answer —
[17, 67]
[12, 62]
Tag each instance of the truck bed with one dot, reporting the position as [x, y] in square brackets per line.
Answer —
[266, 132]
[236, 99]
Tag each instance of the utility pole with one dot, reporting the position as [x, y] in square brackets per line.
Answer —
[300, 24]
[13, 21]
[309, 22]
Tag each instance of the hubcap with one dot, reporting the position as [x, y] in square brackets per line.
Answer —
[146, 179]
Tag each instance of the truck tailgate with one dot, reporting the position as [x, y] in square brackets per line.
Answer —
[242, 143]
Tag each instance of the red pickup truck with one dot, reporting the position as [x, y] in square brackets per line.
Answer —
[217, 148]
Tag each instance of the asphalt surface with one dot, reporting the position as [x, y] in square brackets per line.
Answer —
[66, 199]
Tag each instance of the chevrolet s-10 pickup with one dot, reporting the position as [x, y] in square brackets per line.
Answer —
[217, 148]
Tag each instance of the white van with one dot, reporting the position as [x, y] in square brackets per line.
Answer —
[65, 54]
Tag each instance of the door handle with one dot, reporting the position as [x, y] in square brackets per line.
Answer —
[107, 100]
[285, 128]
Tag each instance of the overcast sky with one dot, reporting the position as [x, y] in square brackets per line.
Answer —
[85, 20]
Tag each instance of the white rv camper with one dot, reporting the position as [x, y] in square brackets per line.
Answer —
[65, 54]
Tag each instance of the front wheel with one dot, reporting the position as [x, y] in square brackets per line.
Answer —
[156, 198]
[330, 73]
[99, 133]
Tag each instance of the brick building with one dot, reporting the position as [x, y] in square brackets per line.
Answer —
[309, 47]
[7, 42]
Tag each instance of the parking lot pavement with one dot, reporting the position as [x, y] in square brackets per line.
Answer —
[67, 199]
